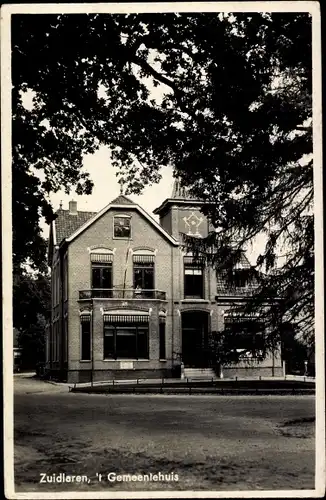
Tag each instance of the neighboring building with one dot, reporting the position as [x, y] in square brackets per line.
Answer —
[127, 302]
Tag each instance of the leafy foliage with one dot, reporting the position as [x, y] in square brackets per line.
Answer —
[31, 310]
[231, 115]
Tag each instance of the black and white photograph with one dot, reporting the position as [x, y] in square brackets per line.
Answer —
[162, 238]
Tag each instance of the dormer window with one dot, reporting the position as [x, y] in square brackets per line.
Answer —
[122, 226]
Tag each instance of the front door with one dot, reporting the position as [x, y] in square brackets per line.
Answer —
[195, 339]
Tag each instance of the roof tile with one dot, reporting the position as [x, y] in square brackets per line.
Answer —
[122, 200]
[66, 224]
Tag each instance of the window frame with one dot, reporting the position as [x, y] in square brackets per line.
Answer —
[65, 277]
[101, 265]
[85, 319]
[122, 216]
[199, 266]
[232, 324]
[115, 326]
[162, 341]
[143, 267]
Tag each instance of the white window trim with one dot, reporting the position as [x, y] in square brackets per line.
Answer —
[85, 313]
[101, 249]
[125, 216]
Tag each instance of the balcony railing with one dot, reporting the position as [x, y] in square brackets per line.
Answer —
[121, 293]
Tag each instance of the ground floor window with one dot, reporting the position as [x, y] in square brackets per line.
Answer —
[65, 340]
[85, 341]
[162, 339]
[126, 338]
[245, 335]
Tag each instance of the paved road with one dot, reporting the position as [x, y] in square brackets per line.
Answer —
[210, 442]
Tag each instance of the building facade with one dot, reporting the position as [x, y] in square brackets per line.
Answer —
[128, 302]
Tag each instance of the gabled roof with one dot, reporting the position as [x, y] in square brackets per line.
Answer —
[122, 200]
[69, 226]
[224, 287]
[66, 224]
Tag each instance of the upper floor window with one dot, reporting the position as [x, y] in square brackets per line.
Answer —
[193, 278]
[56, 284]
[240, 278]
[65, 277]
[122, 226]
[101, 272]
[144, 270]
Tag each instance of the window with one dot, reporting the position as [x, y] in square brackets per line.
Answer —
[85, 341]
[162, 338]
[53, 355]
[55, 342]
[122, 226]
[65, 339]
[125, 337]
[101, 276]
[65, 277]
[193, 278]
[101, 273]
[240, 278]
[144, 274]
[55, 285]
[245, 334]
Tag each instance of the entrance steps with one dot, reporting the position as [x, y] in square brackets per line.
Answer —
[199, 373]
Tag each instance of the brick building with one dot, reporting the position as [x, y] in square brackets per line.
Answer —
[127, 302]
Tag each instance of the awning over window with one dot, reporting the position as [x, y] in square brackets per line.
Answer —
[143, 259]
[238, 317]
[126, 317]
[192, 261]
[101, 257]
[237, 314]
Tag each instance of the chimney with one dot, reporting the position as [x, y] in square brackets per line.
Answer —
[72, 207]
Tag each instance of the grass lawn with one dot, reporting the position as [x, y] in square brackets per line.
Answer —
[211, 442]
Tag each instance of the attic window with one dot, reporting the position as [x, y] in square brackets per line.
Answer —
[122, 226]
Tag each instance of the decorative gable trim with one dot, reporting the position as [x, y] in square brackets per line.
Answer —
[136, 207]
[127, 216]
[101, 249]
[144, 251]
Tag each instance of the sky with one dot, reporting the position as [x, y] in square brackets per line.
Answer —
[106, 187]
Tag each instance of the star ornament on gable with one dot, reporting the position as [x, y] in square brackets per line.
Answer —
[192, 223]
